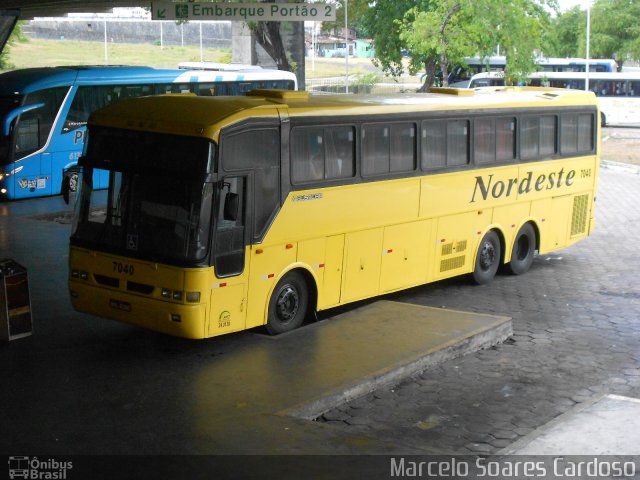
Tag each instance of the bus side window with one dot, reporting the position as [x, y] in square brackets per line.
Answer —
[33, 127]
[576, 133]
[484, 140]
[319, 153]
[494, 140]
[88, 99]
[258, 150]
[505, 139]
[434, 145]
[538, 135]
[307, 154]
[457, 142]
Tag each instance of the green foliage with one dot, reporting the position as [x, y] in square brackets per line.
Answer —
[615, 31]
[385, 32]
[442, 35]
[442, 32]
[356, 10]
[518, 27]
[16, 36]
[566, 34]
[368, 79]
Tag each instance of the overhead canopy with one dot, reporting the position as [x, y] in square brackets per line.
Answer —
[58, 8]
[12, 10]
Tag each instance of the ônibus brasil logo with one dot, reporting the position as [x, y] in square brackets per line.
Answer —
[40, 469]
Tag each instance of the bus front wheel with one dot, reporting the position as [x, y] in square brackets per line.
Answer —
[487, 258]
[524, 247]
[288, 304]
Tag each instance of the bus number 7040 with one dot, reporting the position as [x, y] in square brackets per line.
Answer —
[123, 268]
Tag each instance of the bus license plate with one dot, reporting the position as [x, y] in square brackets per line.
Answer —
[120, 305]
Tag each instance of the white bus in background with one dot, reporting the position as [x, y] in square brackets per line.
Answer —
[219, 67]
[618, 92]
[495, 63]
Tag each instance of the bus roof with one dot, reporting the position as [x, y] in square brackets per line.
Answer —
[206, 116]
[28, 80]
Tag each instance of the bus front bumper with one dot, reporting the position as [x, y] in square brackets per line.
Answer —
[187, 321]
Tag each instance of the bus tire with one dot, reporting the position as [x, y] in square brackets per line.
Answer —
[288, 304]
[72, 178]
[487, 259]
[524, 247]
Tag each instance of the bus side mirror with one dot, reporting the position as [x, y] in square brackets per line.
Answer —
[66, 188]
[231, 206]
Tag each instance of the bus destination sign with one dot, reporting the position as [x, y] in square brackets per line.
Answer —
[254, 12]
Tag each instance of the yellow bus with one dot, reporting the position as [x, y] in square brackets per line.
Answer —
[227, 213]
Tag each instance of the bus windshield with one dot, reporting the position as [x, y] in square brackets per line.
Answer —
[155, 210]
[7, 104]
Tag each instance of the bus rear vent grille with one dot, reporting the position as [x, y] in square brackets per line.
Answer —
[579, 217]
[458, 247]
[452, 263]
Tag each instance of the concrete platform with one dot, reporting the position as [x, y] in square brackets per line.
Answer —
[608, 425]
[124, 390]
[383, 343]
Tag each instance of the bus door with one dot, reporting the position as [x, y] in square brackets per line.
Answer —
[229, 288]
[32, 142]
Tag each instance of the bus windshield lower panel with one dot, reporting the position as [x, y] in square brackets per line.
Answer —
[146, 216]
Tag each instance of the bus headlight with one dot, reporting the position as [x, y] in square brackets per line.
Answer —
[81, 274]
[166, 293]
[193, 297]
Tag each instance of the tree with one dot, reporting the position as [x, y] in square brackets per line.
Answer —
[440, 32]
[16, 36]
[268, 36]
[615, 29]
[518, 28]
[565, 36]
[438, 36]
[357, 11]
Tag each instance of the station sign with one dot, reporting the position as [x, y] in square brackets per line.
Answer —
[248, 12]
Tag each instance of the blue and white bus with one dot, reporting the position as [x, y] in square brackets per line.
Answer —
[43, 113]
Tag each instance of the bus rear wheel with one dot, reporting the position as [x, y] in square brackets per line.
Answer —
[523, 251]
[288, 304]
[487, 258]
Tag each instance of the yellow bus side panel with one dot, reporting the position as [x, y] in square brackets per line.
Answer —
[405, 255]
[361, 274]
[456, 242]
[337, 210]
[324, 258]
[228, 305]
